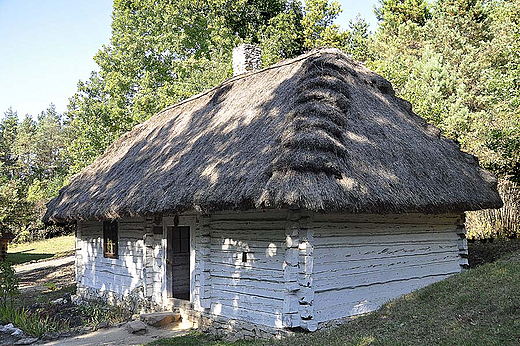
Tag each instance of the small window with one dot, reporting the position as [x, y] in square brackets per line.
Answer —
[181, 239]
[110, 239]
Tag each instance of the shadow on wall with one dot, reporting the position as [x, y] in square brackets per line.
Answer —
[248, 279]
[120, 276]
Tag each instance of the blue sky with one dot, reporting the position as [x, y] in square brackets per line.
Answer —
[47, 46]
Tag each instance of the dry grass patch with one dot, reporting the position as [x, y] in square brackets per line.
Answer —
[41, 249]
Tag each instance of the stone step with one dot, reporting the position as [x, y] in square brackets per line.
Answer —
[158, 319]
[136, 327]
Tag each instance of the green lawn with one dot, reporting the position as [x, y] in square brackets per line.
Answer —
[42, 249]
[480, 306]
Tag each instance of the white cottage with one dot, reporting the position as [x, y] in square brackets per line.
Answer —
[284, 198]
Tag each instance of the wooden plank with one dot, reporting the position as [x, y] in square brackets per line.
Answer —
[340, 255]
[381, 263]
[252, 303]
[268, 275]
[362, 229]
[412, 218]
[271, 319]
[265, 225]
[387, 239]
[249, 215]
[277, 293]
[336, 281]
[235, 261]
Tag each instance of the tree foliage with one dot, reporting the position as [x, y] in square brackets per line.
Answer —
[457, 62]
[162, 52]
[33, 167]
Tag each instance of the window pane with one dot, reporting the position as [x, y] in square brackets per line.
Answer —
[176, 233]
[185, 232]
[176, 245]
[110, 230]
[185, 245]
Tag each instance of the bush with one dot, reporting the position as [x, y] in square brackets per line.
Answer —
[8, 281]
[496, 223]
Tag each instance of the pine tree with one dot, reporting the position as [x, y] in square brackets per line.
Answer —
[8, 133]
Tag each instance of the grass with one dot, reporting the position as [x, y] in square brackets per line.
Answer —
[42, 249]
[477, 307]
[32, 324]
[95, 314]
[29, 298]
[195, 339]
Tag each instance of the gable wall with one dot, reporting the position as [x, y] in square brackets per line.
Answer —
[363, 261]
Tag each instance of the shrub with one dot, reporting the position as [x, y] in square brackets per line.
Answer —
[95, 313]
[8, 281]
[493, 223]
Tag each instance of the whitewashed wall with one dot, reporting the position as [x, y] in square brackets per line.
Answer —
[363, 261]
[302, 268]
[117, 276]
[254, 290]
[153, 261]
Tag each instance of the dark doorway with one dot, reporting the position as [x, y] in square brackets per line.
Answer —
[178, 262]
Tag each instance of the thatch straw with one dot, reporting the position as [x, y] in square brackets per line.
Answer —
[319, 132]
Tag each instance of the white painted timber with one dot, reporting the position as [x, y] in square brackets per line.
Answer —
[252, 290]
[119, 276]
[279, 268]
[362, 261]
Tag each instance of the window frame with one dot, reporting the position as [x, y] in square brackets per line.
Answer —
[111, 239]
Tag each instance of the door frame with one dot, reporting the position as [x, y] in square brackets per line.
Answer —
[184, 220]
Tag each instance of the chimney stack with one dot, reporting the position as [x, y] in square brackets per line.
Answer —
[246, 58]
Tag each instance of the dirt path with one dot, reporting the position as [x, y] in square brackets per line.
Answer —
[35, 279]
[58, 272]
[119, 336]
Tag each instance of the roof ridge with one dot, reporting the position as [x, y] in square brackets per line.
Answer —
[279, 64]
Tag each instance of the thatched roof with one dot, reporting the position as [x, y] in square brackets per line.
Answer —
[319, 132]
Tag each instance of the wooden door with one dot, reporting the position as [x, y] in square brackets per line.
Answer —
[178, 262]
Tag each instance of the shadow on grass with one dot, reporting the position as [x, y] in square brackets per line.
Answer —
[482, 253]
[23, 257]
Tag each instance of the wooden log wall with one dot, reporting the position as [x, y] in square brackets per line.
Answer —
[202, 289]
[363, 261]
[153, 260]
[281, 268]
[247, 252]
[119, 276]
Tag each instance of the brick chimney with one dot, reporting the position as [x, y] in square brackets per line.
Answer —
[246, 58]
